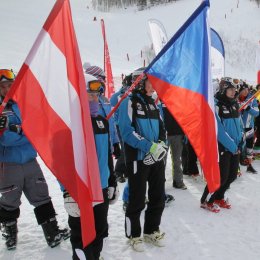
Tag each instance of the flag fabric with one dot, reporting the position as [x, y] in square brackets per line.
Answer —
[217, 55]
[158, 35]
[258, 63]
[110, 89]
[51, 94]
[181, 75]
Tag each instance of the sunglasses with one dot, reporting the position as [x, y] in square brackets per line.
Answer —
[95, 86]
[6, 74]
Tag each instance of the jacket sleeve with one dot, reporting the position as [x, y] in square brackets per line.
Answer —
[127, 131]
[223, 136]
[254, 110]
[9, 138]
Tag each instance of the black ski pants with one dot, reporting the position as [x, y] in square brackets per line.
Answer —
[138, 175]
[228, 166]
[93, 250]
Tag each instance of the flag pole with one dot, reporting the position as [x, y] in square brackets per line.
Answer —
[248, 101]
[125, 95]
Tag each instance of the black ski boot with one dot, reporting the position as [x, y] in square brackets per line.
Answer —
[9, 229]
[53, 234]
[251, 169]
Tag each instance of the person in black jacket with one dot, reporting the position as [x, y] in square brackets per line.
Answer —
[175, 140]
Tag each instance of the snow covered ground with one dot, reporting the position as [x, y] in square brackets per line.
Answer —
[191, 233]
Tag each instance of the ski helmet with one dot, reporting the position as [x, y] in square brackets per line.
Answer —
[136, 73]
[225, 83]
[243, 85]
[93, 84]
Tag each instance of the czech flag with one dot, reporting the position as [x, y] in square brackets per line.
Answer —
[181, 75]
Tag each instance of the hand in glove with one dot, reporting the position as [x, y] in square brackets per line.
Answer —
[156, 153]
[3, 122]
[70, 205]
[113, 194]
[15, 128]
[164, 145]
[117, 150]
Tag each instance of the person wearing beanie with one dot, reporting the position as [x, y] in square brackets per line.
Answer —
[21, 173]
[248, 115]
[108, 182]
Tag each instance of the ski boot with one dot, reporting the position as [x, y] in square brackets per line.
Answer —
[9, 229]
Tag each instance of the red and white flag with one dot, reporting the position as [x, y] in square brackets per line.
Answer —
[51, 94]
[110, 89]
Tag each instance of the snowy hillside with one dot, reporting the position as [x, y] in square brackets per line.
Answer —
[127, 31]
[191, 233]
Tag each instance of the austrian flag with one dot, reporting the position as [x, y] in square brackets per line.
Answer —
[51, 94]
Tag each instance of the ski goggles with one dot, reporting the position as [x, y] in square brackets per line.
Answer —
[6, 75]
[234, 81]
[95, 86]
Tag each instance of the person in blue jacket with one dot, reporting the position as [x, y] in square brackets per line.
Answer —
[120, 166]
[230, 139]
[21, 173]
[110, 192]
[248, 115]
[144, 136]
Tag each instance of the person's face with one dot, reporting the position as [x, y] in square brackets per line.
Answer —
[244, 92]
[93, 96]
[231, 92]
[4, 87]
[148, 88]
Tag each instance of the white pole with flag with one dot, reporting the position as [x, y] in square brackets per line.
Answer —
[158, 34]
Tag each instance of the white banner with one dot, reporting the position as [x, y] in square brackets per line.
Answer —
[158, 34]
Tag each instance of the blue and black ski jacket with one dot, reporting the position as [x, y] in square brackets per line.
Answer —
[140, 125]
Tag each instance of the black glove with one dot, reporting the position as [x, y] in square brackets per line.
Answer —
[3, 122]
[15, 128]
[248, 108]
[117, 150]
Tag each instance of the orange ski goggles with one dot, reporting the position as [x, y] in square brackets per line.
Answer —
[95, 86]
[6, 74]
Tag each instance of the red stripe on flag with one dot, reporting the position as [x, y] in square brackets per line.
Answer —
[59, 25]
[197, 120]
[53, 140]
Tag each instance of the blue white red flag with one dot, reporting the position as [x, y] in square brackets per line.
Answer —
[181, 75]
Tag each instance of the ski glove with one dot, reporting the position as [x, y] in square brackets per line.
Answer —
[117, 150]
[113, 194]
[157, 152]
[3, 122]
[70, 205]
[164, 145]
[15, 128]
